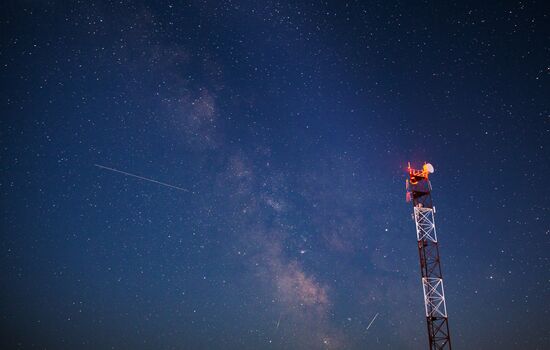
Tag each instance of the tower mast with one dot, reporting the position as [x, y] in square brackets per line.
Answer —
[419, 193]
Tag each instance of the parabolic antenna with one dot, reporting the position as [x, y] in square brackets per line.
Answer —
[429, 168]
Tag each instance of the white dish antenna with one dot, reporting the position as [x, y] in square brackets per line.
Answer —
[429, 168]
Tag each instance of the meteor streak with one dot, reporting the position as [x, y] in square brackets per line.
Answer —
[374, 318]
[141, 177]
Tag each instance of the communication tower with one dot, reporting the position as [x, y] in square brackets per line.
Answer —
[419, 193]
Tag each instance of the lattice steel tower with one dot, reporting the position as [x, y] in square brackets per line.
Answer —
[419, 192]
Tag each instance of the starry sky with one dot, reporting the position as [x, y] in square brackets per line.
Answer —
[287, 127]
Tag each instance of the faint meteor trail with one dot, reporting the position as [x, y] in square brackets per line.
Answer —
[374, 318]
[141, 177]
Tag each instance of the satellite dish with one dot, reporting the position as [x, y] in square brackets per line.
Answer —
[429, 168]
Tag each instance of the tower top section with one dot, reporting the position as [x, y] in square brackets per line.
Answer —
[418, 185]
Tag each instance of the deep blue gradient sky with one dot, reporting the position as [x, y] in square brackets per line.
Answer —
[291, 125]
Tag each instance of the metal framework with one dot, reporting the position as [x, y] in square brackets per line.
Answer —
[419, 193]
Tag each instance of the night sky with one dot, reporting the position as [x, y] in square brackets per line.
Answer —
[287, 128]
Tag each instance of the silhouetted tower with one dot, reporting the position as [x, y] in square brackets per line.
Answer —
[419, 193]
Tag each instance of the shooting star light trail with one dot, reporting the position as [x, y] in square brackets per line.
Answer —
[141, 177]
[374, 318]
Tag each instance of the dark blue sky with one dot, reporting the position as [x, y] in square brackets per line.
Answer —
[290, 125]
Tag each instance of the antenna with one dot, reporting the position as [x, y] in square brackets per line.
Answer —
[429, 168]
